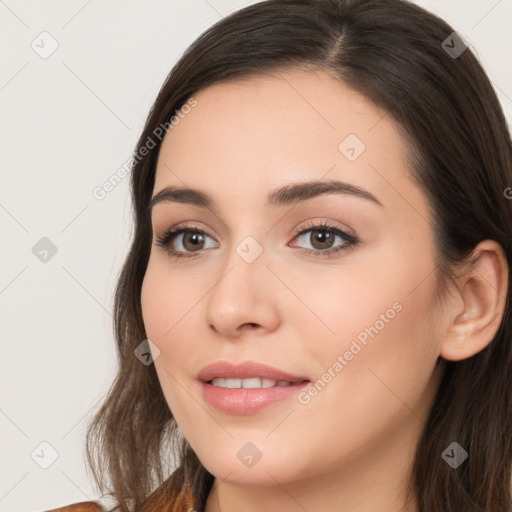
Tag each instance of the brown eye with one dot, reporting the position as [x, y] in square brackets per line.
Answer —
[192, 240]
[188, 241]
[322, 239]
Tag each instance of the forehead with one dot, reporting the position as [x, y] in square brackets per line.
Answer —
[247, 136]
[288, 109]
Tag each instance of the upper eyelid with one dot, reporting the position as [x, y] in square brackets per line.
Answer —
[310, 226]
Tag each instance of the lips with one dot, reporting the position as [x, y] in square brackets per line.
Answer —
[246, 370]
[230, 394]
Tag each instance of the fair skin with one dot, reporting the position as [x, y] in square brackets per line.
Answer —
[351, 447]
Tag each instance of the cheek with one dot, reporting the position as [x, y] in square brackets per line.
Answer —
[375, 375]
[375, 335]
[165, 299]
[358, 301]
[167, 304]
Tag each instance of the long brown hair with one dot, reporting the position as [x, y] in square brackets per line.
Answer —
[391, 51]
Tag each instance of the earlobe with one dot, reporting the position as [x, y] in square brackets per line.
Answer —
[483, 291]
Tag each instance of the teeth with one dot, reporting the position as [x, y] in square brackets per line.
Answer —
[253, 382]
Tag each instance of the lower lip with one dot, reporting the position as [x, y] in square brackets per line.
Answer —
[247, 400]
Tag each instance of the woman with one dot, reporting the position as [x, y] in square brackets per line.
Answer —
[341, 339]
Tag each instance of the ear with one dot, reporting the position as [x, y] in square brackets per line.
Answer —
[480, 304]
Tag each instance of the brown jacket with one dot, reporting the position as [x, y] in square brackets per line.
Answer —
[163, 499]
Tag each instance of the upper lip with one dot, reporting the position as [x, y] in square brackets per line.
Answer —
[245, 370]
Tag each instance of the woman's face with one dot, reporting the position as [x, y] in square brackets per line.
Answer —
[357, 323]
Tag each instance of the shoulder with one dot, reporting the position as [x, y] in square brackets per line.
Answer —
[83, 506]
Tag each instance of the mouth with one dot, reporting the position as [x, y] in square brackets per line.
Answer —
[247, 388]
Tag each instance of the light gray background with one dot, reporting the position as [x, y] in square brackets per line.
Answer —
[68, 123]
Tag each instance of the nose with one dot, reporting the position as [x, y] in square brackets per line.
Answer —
[244, 298]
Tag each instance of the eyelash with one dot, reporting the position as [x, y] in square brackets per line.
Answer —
[165, 239]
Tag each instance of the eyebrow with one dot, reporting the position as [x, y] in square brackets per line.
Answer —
[283, 196]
